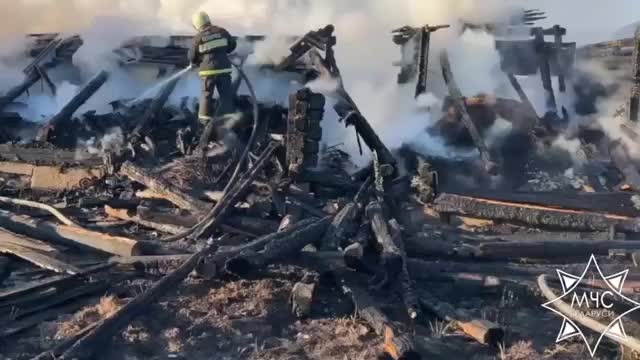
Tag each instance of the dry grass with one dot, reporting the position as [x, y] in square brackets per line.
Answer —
[107, 306]
[521, 350]
[325, 339]
[174, 342]
[439, 328]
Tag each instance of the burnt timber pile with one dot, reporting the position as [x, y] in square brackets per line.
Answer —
[255, 241]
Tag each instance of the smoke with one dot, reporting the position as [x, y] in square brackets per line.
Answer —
[365, 52]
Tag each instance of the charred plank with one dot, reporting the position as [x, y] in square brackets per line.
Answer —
[534, 215]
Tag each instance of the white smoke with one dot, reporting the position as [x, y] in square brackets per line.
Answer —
[364, 52]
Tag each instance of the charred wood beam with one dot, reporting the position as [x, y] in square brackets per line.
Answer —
[618, 203]
[15, 294]
[87, 91]
[405, 284]
[423, 66]
[70, 235]
[483, 331]
[366, 132]
[123, 214]
[27, 249]
[622, 161]
[550, 249]
[18, 326]
[252, 225]
[345, 223]
[347, 109]
[59, 349]
[158, 102]
[49, 301]
[391, 254]
[545, 68]
[461, 108]
[18, 90]
[163, 188]
[321, 39]
[558, 33]
[534, 215]
[280, 247]
[521, 94]
[634, 99]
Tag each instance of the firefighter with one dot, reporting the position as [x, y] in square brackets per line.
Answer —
[209, 51]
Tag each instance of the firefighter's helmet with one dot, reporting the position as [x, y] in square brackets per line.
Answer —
[200, 20]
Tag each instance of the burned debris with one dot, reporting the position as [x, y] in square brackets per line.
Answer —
[189, 222]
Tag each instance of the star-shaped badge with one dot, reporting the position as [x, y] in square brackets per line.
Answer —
[601, 295]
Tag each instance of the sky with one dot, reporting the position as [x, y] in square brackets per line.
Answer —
[589, 21]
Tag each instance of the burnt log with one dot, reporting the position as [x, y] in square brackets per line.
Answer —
[70, 235]
[533, 215]
[391, 254]
[59, 349]
[483, 331]
[18, 90]
[457, 98]
[550, 249]
[48, 301]
[280, 247]
[404, 280]
[15, 294]
[248, 224]
[345, 223]
[87, 91]
[163, 188]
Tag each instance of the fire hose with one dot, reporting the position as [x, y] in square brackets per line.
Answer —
[566, 309]
[202, 225]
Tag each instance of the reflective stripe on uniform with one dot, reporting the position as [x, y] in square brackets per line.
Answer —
[213, 44]
[203, 73]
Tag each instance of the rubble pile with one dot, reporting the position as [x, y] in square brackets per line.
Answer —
[141, 233]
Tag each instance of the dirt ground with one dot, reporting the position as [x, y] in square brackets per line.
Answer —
[233, 318]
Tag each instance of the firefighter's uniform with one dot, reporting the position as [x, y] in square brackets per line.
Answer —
[209, 51]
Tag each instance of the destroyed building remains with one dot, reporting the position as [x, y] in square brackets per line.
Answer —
[138, 232]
